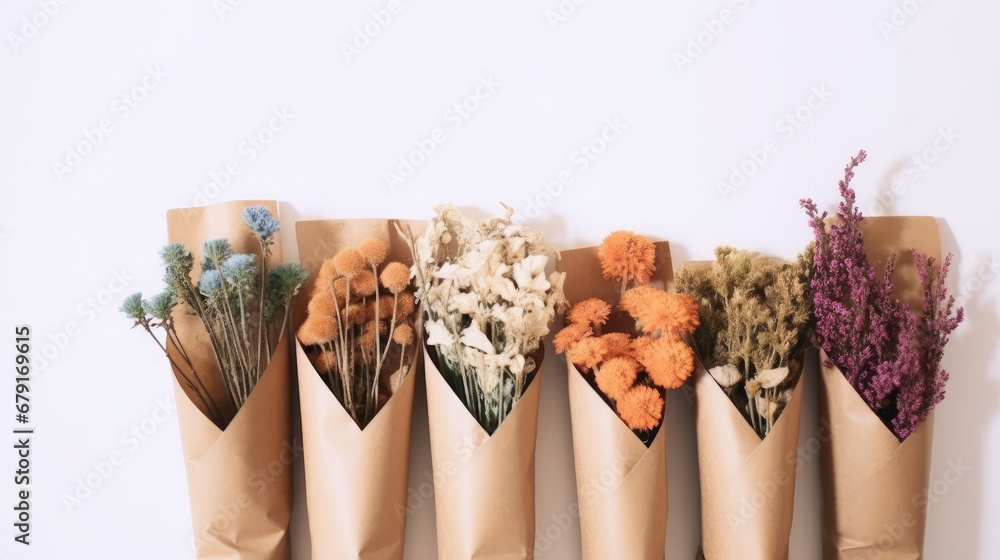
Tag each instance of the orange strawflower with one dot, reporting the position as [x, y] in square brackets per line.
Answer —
[616, 376]
[616, 344]
[373, 251]
[626, 256]
[349, 262]
[586, 353]
[657, 310]
[395, 277]
[570, 335]
[591, 311]
[668, 361]
[641, 408]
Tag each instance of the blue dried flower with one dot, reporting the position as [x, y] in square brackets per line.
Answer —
[132, 307]
[159, 306]
[215, 252]
[240, 271]
[210, 283]
[260, 220]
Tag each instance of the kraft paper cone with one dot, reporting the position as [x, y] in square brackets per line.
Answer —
[874, 487]
[240, 478]
[484, 485]
[356, 480]
[621, 484]
[747, 484]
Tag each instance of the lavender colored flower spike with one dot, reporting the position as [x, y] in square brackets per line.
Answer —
[889, 356]
[260, 220]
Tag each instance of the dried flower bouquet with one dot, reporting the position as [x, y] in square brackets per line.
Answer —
[624, 342]
[225, 338]
[632, 365]
[359, 326]
[882, 338]
[755, 314]
[487, 303]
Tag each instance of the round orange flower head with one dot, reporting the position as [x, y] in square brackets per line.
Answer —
[354, 314]
[327, 273]
[377, 326]
[340, 290]
[641, 408]
[570, 335]
[626, 255]
[403, 335]
[406, 304]
[669, 362]
[364, 284]
[327, 361]
[395, 277]
[586, 353]
[321, 304]
[657, 310]
[591, 311]
[317, 329]
[373, 251]
[616, 376]
[368, 342]
[349, 262]
[639, 345]
[616, 344]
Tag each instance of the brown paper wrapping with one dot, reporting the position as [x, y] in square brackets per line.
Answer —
[240, 478]
[484, 485]
[874, 487]
[747, 484]
[356, 480]
[621, 484]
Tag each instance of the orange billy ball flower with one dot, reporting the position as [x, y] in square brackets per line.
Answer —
[321, 304]
[354, 314]
[570, 335]
[364, 284]
[327, 273]
[589, 311]
[395, 277]
[373, 251]
[616, 376]
[627, 255]
[317, 329]
[340, 290]
[406, 305]
[403, 335]
[327, 361]
[668, 361]
[349, 262]
[641, 408]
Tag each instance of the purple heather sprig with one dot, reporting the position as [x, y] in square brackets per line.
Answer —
[889, 356]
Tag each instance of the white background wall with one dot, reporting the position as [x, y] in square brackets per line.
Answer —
[896, 85]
